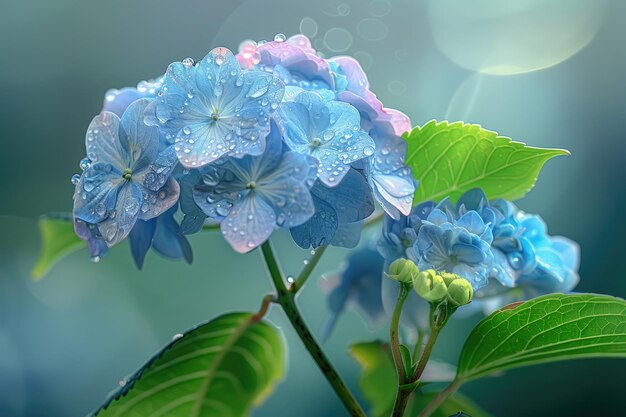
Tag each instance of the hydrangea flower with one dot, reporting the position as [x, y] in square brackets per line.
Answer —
[329, 131]
[338, 213]
[215, 108]
[126, 178]
[254, 195]
[358, 282]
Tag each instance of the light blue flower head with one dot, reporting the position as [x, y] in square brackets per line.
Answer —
[339, 212]
[215, 108]
[329, 131]
[440, 237]
[126, 175]
[254, 195]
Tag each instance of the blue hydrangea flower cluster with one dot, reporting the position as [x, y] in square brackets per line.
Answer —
[272, 137]
[504, 252]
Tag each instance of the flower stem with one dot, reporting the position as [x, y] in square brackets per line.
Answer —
[286, 299]
[394, 336]
[428, 349]
[440, 398]
[308, 269]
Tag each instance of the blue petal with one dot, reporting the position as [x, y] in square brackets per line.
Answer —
[156, 202]
[360, 283]
[140, 238]
[351, 199]
[194, 216]
[141, 141]
[122, 218]
[90, 234]
[391, 180]
[319, 230]
[248, 224]
[103, 144]
[96, 192]
[348, 235]
[168, 240]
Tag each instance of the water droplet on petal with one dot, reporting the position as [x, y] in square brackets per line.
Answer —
[75, 179]
[85, 163]
[280, 37]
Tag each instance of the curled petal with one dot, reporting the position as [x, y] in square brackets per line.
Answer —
[140, 238]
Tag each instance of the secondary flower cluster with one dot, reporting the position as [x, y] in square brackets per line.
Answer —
[504, 252]
[273, 137]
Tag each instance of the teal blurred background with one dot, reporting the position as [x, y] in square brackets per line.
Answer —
[545, 73]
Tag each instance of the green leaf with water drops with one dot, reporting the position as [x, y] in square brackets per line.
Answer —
[449, 159]
[551, 328]
[222, 368]
[378, 382]
[455, 404]
[57, 241]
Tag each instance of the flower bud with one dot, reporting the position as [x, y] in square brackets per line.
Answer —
[460, 292]
[402, 270]
[448, 277]
[430, 286]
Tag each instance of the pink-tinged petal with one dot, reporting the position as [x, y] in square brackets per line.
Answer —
[303, 43]
[295, 59]
[357, 80]
[399, 121]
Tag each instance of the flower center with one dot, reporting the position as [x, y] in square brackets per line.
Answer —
[127, 174]
[316, 142]
[251, 185]
[215, 116]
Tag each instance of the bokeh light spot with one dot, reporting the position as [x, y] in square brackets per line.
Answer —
[504, 38]
[372, 29]
[308, 27]
[337, 40]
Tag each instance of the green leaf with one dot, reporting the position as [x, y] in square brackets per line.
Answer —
[57, 241]
[449, 159]
[551, 328]
[454, 404]
[378, 382]
[221, 368]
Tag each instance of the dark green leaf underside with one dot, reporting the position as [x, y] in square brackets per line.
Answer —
[550, 328]
[449, 159]
[221, 368]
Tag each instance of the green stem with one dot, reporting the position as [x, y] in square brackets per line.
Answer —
[286, 299]
[402, 396]
[440, 398]
[394, 336]
[428, 350]
[308, 269]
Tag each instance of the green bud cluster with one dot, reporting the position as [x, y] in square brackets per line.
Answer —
[434, 287]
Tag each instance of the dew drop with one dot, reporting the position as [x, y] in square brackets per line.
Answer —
[177, 336]
[280, 37]
[291, 279]
[85, 163]
[75, 178]
[95, 259]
